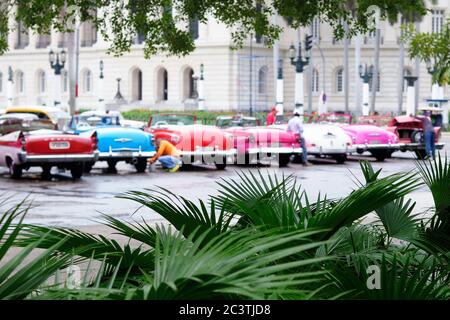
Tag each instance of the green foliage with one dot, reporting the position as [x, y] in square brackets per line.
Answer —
[167, 33]
[204, 117]
[260, 238]
[433, 47]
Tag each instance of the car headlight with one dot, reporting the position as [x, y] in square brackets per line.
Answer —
[251, 138]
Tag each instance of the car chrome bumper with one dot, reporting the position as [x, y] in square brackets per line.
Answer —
[230, 152]
[274, 150]
[125, 154]
[419, 146]
[367, 146]
[329, 151]
[58, 158]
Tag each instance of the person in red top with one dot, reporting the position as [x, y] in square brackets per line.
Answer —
[271, 117]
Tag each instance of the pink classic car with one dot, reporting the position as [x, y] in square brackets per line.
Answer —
[380, 142]
[254, 143]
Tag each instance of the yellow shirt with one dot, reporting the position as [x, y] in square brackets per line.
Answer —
[165, 149]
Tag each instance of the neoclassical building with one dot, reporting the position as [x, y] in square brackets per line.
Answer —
[234, 80]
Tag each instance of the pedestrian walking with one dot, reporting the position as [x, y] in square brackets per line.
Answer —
[295, 125]
[271, 116]
[429, 135]
[168, 155]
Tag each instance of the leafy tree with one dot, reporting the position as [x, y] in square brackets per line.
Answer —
[432, 47]
[166, 30]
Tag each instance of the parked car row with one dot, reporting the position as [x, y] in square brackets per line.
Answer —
[47, 137]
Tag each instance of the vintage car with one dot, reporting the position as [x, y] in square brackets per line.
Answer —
[196, 143]
[20, 150]
[23, 122]
[380, 142]
[115, 144]
[89, 120]
[253, 143]
[57, 116]
[410, 131]
[324, 140]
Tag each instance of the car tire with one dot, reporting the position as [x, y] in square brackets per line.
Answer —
[340, 158]
[283, 160]
[15, 171]
[77, 171]
[297, 158]
[417, 136]
[88, 167]
[420, 154]
[141, 165]
[222, 165]
[380, 155]
[46, 172]
[112, 166]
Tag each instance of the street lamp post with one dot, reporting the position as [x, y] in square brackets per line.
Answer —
[299, 64]
[410, 95]
[10, 87]
[200, 89]
[57, 65]
[366, 75]
[101, 99]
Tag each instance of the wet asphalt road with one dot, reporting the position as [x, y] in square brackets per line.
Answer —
[63, 202]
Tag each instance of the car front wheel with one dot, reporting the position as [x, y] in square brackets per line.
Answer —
[88, 167]
[141, 165]
[341, 158]
[221, 165]
[283, 160]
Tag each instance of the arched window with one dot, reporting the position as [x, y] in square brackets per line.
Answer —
[64, 81]
[89, 32]
[136, 85]
[41, 82]
[340, 80]
[262, 80]
[406, 72]
[20, 82]
[162, 85]
[87, 81]
[315, 80]
[378, 83]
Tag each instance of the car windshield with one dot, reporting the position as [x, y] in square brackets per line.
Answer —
[172, 119]
[236, 122]
[375, 120]
[335, 118]
[95, 121]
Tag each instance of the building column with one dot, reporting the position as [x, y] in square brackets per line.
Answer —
[32, 40]
[200, 89]
[411, 95]
[10, 87]
[280, 89]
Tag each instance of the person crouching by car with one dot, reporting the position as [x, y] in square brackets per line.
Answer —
[271, 117]
[168, 155]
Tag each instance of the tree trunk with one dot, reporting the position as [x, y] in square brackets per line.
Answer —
[72, 72]
[417, 84]
[357, 77]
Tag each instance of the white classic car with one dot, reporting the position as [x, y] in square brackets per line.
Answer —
[326, 141]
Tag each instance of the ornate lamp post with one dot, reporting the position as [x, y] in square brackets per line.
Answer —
[299, 64]
[366, 75]
[10, 87]
[57, 65]
[201, 93]
[101, 99]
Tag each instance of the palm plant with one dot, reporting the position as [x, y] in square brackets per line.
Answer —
[262, 237]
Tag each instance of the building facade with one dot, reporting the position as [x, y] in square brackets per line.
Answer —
[234, 79]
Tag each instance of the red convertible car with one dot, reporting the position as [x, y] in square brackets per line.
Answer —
[197, 143]
[410, 131]
[20, 150]
[253, 143]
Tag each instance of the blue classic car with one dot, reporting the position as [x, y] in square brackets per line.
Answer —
[115, 142]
